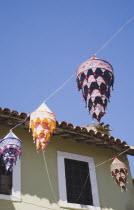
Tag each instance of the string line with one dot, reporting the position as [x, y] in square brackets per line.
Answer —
[51, 183]
[60, 89]
[20, 123]
[95, 54]
[111, 158]
[98, 166]
[114, 35]
[49, 176]
[33, 204]
[68, 80]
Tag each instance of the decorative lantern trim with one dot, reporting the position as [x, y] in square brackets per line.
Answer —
[119, 173]
[94, 63]
[42, 124]
[10, 138]
[95, 78]
[10, 149]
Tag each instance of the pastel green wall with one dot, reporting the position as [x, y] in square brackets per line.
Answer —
[35, 188]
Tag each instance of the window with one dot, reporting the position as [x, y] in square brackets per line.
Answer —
[10, 183]
[5, 180]
[76, 172]
[77, 181]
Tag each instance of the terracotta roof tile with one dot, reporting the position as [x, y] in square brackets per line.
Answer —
[87, 133]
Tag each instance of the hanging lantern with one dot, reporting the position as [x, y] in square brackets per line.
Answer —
[95, 78]
[42, 124]
[119, 173]
[10, 149]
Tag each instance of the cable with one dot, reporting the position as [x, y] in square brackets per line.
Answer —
[52, 187]
[74, 74]
[87, 175]
[111, 158]
[114, 35]
[83, 187]
[68, 80]
[20, 123]
[49, 177]
[33, 204]
[98, 166]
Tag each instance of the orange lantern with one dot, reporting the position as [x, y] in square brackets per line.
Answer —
[42, 124]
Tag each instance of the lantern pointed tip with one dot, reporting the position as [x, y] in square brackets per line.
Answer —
[44, 107]
[11, 135]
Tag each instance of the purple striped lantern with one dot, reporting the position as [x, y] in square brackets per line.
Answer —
[119, 173]
[10, 149]
[95, 78]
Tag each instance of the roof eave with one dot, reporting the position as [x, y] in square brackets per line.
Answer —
[68, 130]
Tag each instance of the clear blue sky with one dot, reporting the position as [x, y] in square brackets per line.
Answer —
[43, 42]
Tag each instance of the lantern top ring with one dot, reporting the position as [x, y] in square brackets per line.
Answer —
[94, 63]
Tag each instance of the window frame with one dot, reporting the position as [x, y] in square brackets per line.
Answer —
[62, 181]
[16, 183]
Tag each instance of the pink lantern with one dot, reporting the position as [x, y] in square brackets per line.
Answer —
[119, 173]
[95, 78]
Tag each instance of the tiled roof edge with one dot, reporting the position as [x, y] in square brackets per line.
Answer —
[70, 127]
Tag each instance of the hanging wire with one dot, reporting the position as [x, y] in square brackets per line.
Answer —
[68, 80]
[49, 176]
[98, 166]
[111, 158]
[43, 207]
[114, 35]
[20, 123]
[52, 187]
[33, 204]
